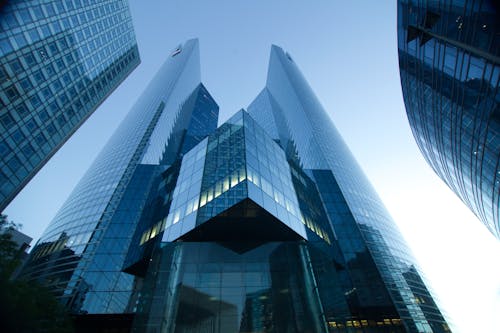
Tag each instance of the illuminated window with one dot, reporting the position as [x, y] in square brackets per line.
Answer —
[242, 174]
[169, 219]
[195, 204]
[203, 199]
[176, 217]
[146, 234]
[153, 232]
[250, 175]
[189, 208]
[218, 189]
[256, 179]
[234, 179]
[327, 238]
[281, 197]
[143, 238]
[209, 195]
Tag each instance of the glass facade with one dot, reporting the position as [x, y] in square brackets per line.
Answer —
[58, 61]
[81, 253]
[273, 227]
[449, 58]
[373, 251]
[264, 224]
[223, 172]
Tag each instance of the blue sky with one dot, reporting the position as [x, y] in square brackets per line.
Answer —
[347, 51]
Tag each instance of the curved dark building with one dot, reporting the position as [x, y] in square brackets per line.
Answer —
[449, 58]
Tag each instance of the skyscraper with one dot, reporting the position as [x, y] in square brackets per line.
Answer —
[92, 231]
[58, 61]
[449, 58]
[265, 223]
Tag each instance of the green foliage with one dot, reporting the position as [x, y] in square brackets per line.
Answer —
[25, 306]
[9, 254]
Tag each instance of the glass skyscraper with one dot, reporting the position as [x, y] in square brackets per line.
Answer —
[449, 58]
[264, 224]
[81, 253]
[58, 61]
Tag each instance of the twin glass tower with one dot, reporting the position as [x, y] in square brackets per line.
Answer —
[263, 224]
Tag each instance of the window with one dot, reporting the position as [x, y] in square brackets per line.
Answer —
[65, 23]
[30, 59]
[69, 59]
[56, 27]
[31, 125]
[59, 7]
[28, 150]
[47, 94]
[34, 36]
[50, 70]
[17, 136]
[61, 120]
[37, 11]
[60, 64]
[7, 120]
[66, 78]
[9, 21]
[39, 77]
[51, 129]
[4, 149]
[16, 66]
[45, 31]
[14, 163]
[20, 40]
[22, 110]
[44, 116]
[72, 92]
[35, 101]
[5, 46]
[25, 16]
[63, 45]
[53, 107]
[12, 93]
[3, 75]
[53, 48]
[40, 139]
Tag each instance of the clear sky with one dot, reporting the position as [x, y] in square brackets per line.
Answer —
[347, 51]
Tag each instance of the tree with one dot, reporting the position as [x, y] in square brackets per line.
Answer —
[9, 254]
[25, 306]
